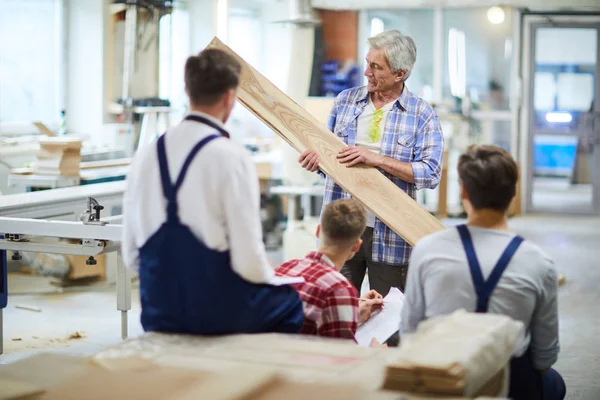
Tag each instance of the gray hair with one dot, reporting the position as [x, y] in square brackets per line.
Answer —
[400, 50]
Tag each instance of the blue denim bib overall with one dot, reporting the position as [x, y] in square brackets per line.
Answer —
[526, 383]
[186, 287]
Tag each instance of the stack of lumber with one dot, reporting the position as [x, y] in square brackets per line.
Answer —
[84, 165]
[461, 354]
[58, 156]
[61, 377]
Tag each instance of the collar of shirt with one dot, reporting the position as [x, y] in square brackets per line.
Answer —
[320, 257]
[363, 98]
[209, 117]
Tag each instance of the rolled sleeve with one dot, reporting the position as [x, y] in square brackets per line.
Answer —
[241, 199]
[428, 154]
[129, 250]
[413, 311]
[544, 327]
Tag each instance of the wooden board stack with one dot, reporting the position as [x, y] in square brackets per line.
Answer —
[58, 156]
[302, 131]
[461, 354]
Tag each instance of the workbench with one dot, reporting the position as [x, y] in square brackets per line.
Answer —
[90, 173]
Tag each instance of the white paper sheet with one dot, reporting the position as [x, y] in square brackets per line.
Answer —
[285, 280]
[384, 323]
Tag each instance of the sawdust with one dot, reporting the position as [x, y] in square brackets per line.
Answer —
[29, 308]
[72, 336]
[76, 335]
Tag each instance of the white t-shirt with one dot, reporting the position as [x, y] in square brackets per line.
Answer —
[363, 137]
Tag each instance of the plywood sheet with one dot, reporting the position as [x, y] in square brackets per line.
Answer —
[302, 131]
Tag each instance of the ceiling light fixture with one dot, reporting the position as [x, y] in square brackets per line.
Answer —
[495, 15]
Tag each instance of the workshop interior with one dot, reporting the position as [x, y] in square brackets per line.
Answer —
[86, 84]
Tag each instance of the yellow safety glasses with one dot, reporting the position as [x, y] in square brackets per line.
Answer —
[374, 129]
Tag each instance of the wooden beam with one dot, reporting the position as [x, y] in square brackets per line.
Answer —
[302, 131]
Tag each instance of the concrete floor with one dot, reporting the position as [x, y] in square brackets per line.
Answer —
[573, 242]
[554, 195]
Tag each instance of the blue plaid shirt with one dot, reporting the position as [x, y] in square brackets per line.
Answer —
[413, 134]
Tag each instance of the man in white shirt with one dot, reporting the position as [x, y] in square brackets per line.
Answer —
[192, 226]
[483, 267]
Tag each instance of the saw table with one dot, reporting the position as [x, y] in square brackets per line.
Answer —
[96, 236]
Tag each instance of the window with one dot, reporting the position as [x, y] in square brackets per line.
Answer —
[174, 50]
[377, 26]
[244, 34]
[478, 57]
[245, 38]
[30, 67]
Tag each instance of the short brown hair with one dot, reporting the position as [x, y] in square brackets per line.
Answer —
[489, 175]
[343, 222]
[209, 75]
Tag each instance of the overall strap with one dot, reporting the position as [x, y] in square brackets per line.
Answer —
[206, 121]
[165, 177]
[483, 288]
[189, 160]
[170, 190]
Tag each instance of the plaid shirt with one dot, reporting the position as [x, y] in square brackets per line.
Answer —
[412, 134]
[329, 299]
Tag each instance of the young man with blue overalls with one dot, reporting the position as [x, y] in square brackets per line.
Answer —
[483, 267]
[192, 226]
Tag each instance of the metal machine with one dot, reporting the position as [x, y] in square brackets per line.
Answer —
[96, 236]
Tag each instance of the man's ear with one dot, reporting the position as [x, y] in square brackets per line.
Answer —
[400, 76]
[318, 233]
[356, 245]
[463, 192]
[229, 98]
[464, 198]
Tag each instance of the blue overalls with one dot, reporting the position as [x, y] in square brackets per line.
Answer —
[186, 287]
[3, 291]
[526, 382]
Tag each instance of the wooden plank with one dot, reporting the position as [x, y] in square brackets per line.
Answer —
[302, 131]
[16, 389]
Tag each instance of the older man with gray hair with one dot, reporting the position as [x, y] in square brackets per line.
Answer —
[387, 127]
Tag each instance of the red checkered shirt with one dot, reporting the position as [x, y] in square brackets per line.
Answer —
[329, 299]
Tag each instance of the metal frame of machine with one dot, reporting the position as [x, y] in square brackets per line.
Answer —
[96, 236]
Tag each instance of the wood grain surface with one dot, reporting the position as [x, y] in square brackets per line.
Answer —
[302, 131]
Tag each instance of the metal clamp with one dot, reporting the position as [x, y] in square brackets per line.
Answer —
[92, 215]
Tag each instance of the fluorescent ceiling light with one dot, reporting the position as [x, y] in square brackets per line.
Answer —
[559, 117]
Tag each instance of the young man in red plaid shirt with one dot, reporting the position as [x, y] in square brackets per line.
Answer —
[331, 304]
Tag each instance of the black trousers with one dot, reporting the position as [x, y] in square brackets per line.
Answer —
[382, 277]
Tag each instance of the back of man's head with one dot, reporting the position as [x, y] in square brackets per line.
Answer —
[342, 223]
[489, 176]
[209, 75]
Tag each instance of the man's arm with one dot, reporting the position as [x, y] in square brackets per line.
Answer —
[241, 200]
[544, 324]
[129, 250]
[340, 314]
[413, 311]
[426, 168]
[424, 171]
